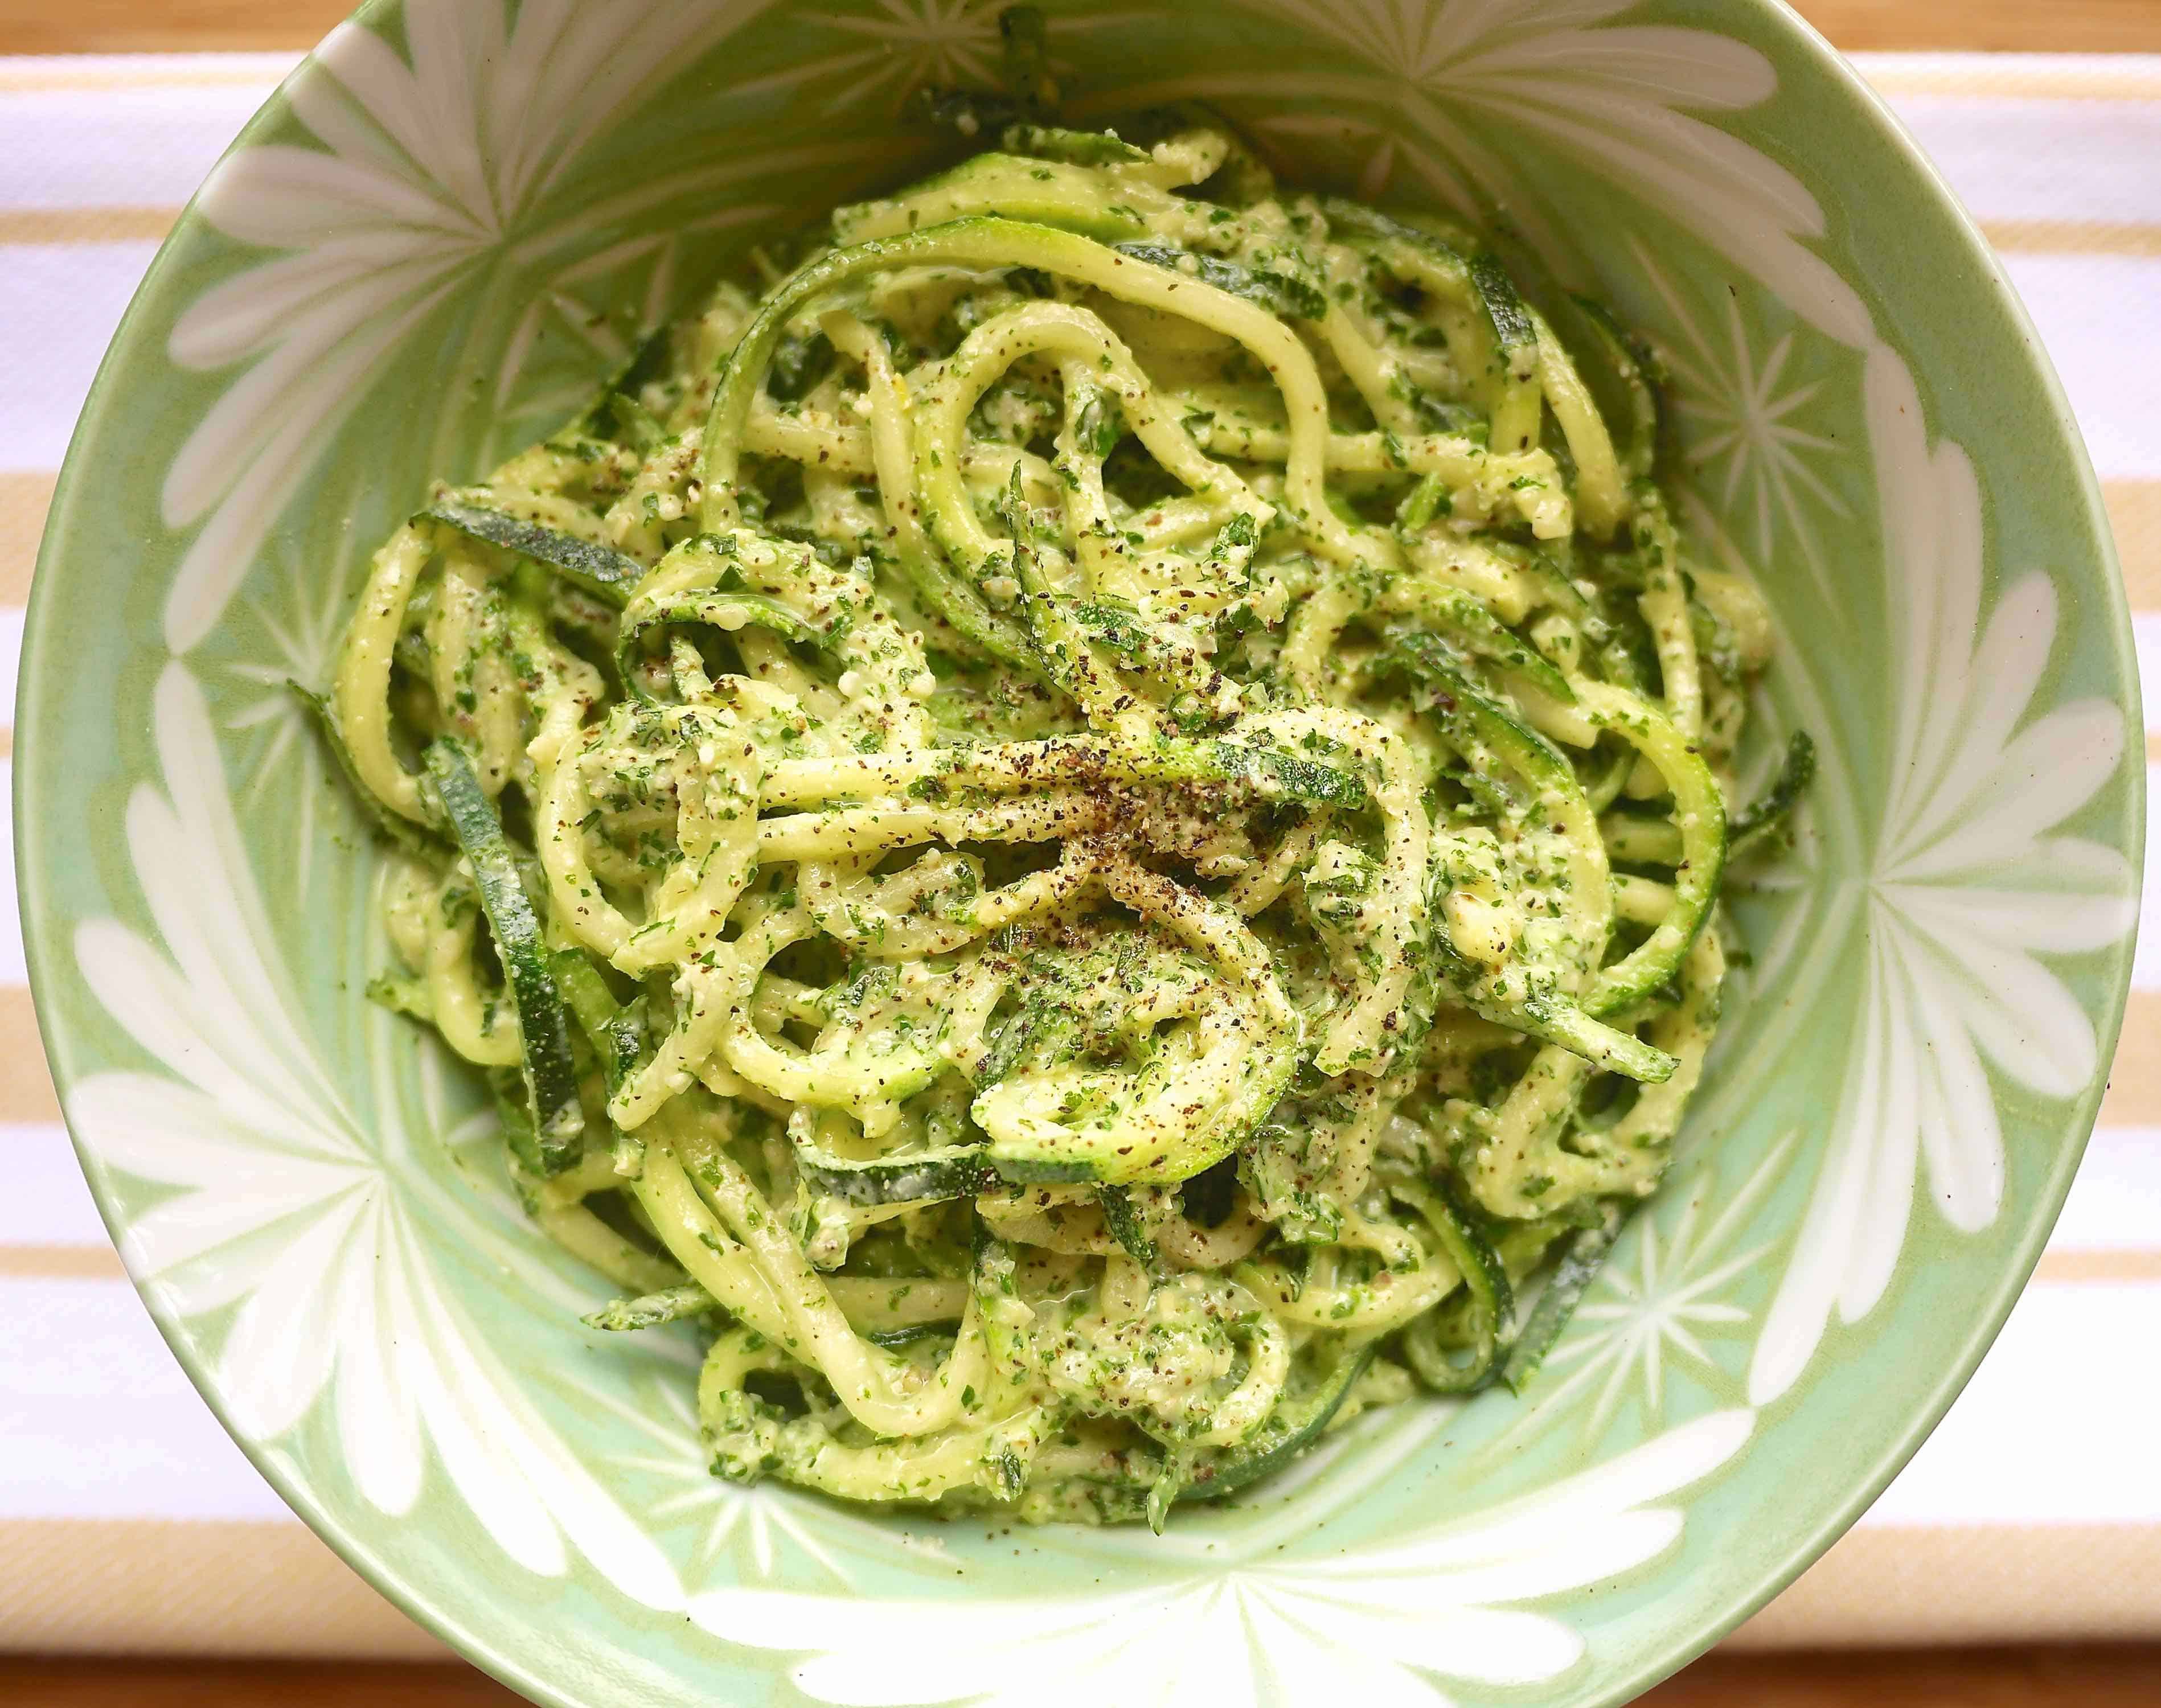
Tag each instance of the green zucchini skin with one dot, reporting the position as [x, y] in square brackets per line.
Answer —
[945, 592]
[911, 1332]
[393, 828]
[1430, 659]
[1761, 822]
[1050, 1169]
[1279, 293]
[974, 240]
[602, 571]
[1087, 1159]
[617, 1034]
[1645, 842]
[1482, 634]
[1557, 1019]
[1513, 332]
[548, 1066]
[1542, 1013]
[1700, 812]
[1493, 1298]
[726, 611]
[729, 603]
[1058, 638]
[1580, 1262]
[1006, 186]
[1041, 142]
[1275, 772]
[651, 1309]
[1623, 370]
[649, 361]
[1148, 1484]
[954, 1171]
[1354, 219]
[1296, 1425]
[1508, 358]
[1126, 1227]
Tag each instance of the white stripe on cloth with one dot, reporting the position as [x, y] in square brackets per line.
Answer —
[98, 1420]
[47, 1202]
[2005, 158]
[2002, 70]
[2019, 1447]
[59, 303]
[2116, 1201]
[2100, 319]
[130, 71]
[148, 147]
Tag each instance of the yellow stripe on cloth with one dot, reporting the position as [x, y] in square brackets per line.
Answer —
[2073, 237]
[1977, 1584]
[151, 1587]
[25, 499]
[28, 74]
[2134, 513]
[86, 225]
[61, 1263]
[2074, 1268]
[2133, 1097]
[1893, 77]
[26, 1087]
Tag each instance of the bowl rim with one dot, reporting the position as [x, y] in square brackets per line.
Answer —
[1655, 1656]
[379, 1574]
[2078, 1123]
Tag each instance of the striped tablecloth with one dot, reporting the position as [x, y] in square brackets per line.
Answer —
[128, 1521]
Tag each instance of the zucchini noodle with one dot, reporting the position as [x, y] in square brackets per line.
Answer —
[1092, 822]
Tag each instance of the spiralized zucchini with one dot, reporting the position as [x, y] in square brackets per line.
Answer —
[1087, 828]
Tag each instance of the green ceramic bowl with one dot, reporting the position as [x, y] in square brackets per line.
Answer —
[446, 224]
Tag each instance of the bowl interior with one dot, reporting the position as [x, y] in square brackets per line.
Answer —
[424, 253]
